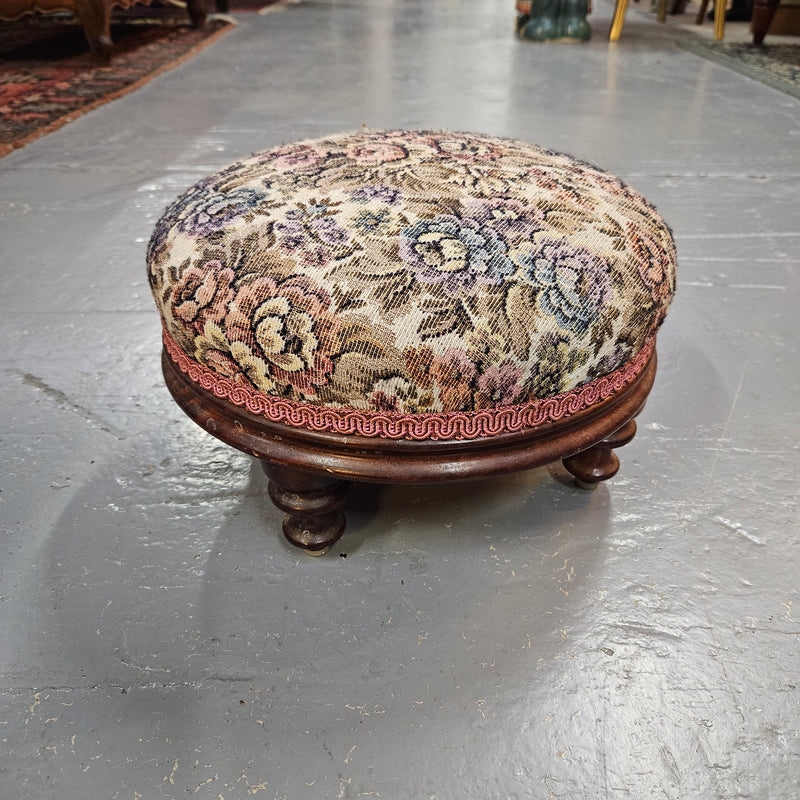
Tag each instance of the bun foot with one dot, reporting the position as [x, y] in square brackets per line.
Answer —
[315, 534]
[599, 462]
[312, 501]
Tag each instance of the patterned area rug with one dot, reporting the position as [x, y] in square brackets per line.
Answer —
[48, 77]
[776, 65]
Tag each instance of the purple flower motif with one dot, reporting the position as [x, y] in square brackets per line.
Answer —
[573, 282]
[455, 252]
[203, 212]
[613, 361]
[316, 257]
[311, 227]
[383, 194]
[510, 218]
[293, 235]
[329, 231]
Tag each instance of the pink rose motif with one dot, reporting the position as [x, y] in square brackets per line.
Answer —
[223, 365]
[292, 158]
[214, 350]
[203, 294]
[381, 401]
[499, 386]
[284, 331]
[377, 152]
[564, 184]
[654, 263]
[454, 374]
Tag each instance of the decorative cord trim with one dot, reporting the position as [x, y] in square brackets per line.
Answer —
[387, 425]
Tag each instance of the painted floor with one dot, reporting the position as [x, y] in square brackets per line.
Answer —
[512, 638]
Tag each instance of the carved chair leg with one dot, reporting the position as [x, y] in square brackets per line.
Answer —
[599, 462]
[312, 501]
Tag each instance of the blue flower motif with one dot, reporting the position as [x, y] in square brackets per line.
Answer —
[372, 222]
[573, 282]
[455, 252]
[203, 212]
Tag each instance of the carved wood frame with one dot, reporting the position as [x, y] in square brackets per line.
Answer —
[310, 471]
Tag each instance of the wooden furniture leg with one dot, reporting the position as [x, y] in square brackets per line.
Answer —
[310, 471]
[311, 502]
[599, 462]
[619, 19]
[763, 14]
[719, 17]
[197, 12]
[95, 17]
[719, 20]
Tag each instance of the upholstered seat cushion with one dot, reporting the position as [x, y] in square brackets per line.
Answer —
[411, 283]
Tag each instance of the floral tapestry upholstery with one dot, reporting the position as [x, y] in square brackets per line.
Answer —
[410, 275]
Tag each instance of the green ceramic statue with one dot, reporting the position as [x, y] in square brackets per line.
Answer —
[556, 21]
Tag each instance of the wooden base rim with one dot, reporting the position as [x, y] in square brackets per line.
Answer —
[405, 461]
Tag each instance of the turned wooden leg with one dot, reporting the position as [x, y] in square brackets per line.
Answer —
[312, 501]
[599, 462]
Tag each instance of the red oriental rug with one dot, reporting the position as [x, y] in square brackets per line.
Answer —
[48, 77]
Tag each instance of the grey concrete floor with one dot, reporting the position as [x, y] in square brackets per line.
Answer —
[512, 638]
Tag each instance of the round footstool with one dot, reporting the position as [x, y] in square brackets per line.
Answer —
[399, 306]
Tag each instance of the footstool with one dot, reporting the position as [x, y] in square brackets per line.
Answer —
[410, 306]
